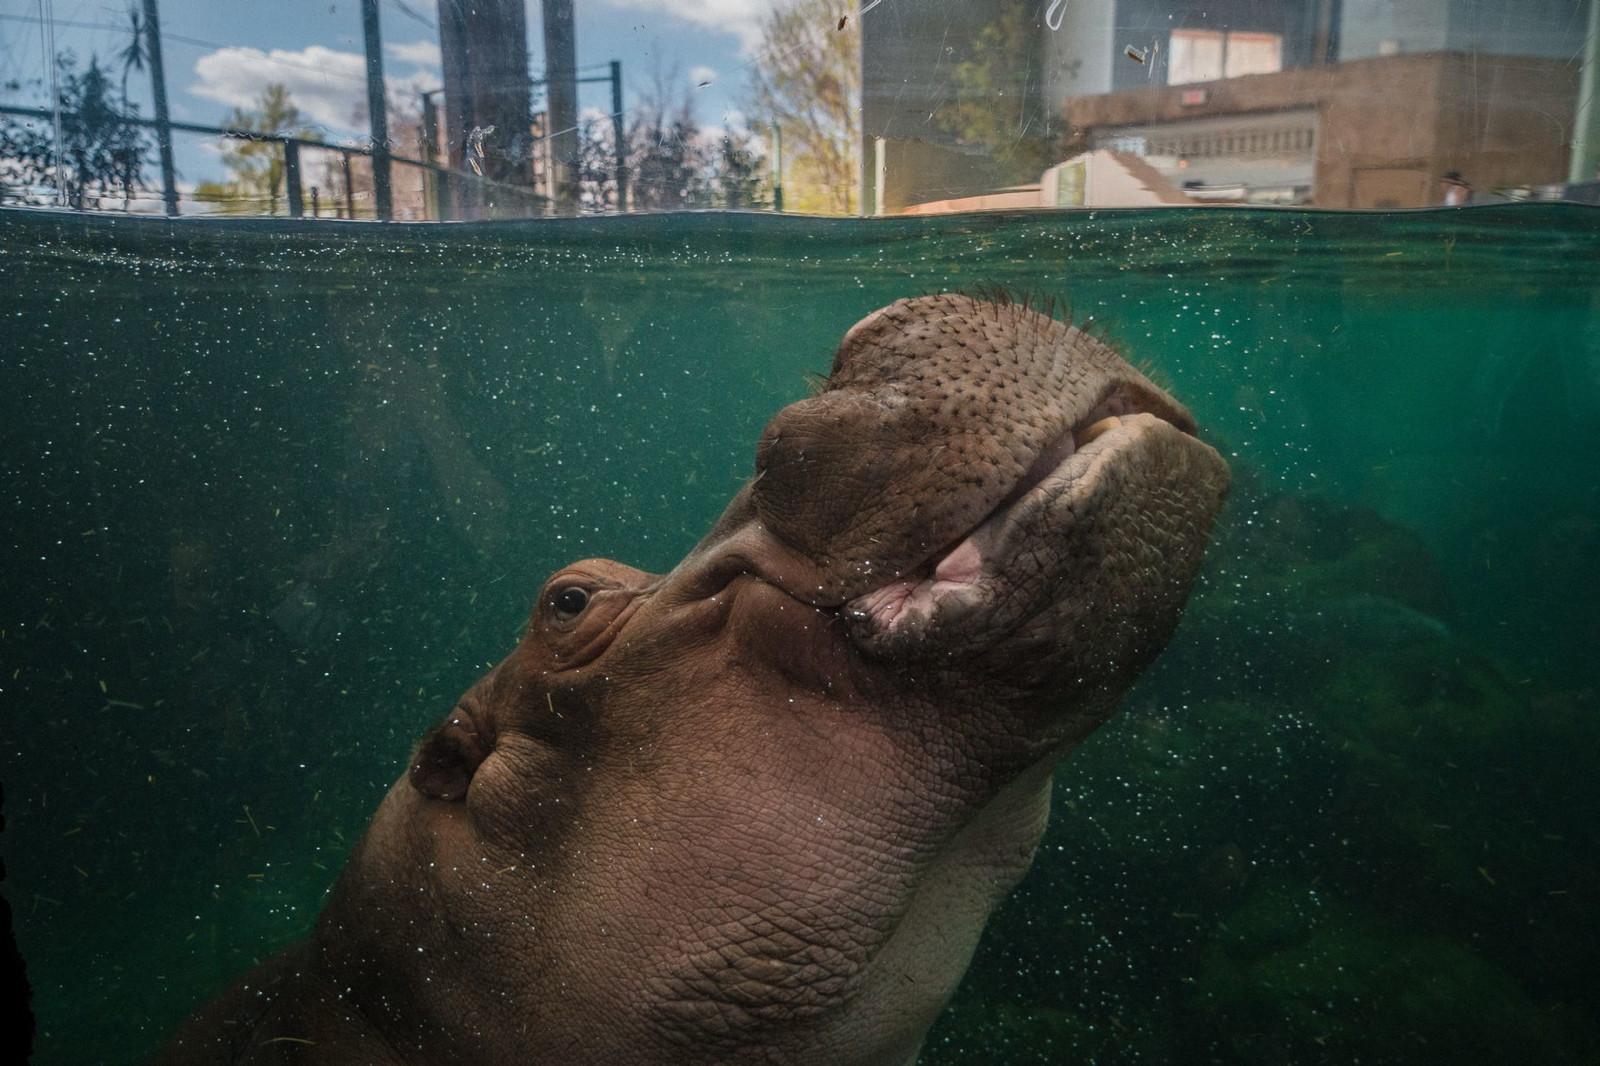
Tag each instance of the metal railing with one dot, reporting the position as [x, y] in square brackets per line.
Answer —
[446, 181]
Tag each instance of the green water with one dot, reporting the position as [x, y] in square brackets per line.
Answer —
[275, 494]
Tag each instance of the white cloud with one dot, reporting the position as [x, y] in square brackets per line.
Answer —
[417, 53]
[326, 85]
[329, 87]
[702, 76]
[740, 18]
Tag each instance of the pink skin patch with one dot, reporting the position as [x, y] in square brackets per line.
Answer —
[961, 567]
[917, 594]
[908, 597]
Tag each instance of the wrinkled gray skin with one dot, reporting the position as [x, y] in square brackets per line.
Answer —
[757, 810]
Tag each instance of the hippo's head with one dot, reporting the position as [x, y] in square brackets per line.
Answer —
[758, 809]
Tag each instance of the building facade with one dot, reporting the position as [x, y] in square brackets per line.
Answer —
[1328, 103]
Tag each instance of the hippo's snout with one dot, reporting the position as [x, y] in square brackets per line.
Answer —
[974, 469]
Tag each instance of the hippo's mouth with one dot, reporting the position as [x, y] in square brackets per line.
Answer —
[1088, 460]
[977, 481]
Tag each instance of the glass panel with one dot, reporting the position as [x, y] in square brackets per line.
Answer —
[489, 110]
[283, 475]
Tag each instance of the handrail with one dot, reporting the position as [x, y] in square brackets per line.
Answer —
[447, 174]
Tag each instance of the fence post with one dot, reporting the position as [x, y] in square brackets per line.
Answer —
[430, 155]
[561, 104]
[444, 184]
[158, 86]
[619, 137]
[1584, 161]
[377, 111]
[349, 188]
[291, 178]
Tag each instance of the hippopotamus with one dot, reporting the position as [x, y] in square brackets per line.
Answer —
[758, 809]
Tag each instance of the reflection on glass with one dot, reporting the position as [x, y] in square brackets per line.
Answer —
[483, 111]
[1325, 103]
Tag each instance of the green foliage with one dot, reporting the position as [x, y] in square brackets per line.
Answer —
[101, 155]
[738, 177]
[997, 105]
[256, 166]
[808, 82]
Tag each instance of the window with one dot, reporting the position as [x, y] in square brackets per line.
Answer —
[1206, 55]
[1196, 56]
[1253, 53]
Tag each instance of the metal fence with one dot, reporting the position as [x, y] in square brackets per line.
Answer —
[443, 188]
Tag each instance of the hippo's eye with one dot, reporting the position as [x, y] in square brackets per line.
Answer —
[570, 602]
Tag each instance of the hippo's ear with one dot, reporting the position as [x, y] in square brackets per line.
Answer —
[445, 760]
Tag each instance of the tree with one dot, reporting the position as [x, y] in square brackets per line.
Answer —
[672, 163]
[807, 80]
[738, 175]
[256, 166]
[101, 153]
[666, 159]
[673, 167]
[597, 164]
[997, 105]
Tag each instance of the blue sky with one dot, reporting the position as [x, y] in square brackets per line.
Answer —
[222, 53]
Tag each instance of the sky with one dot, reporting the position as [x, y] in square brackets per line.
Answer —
[221, 54]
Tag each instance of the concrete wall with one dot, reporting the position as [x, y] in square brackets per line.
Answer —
[908, 51]
[1553, 29]
[1548, 28]
[1080, 54]
[1411, 25]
